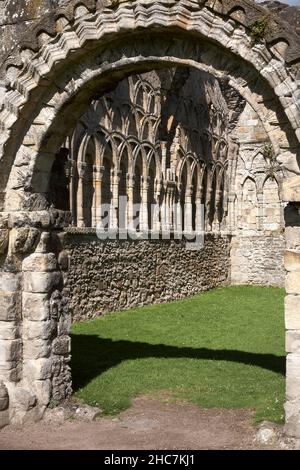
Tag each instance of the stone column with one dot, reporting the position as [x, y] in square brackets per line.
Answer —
[144, 204]
[218, 197]
[208, 201]
[98, 177]
[40, 277]
[130, 194]
[239, 209]
[34, 318]
[156, 222]
[168, 209]
[199, 222]
[178, 222]
[115, 180]
[172, 207]
[188, 210]
[231, 212]
[80, 194]
[291, 193]
[164, 158]
[22, 240]
[164, 217]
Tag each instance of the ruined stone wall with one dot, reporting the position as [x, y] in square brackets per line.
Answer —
[258, 260]
[116, 275]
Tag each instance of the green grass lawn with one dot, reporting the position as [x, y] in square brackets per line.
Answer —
[223, 348]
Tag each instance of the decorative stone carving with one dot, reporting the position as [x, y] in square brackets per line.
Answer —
[23, 240]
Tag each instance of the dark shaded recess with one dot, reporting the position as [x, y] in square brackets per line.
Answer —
[58, 194]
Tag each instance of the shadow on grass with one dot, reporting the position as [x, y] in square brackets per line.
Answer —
[92, 355]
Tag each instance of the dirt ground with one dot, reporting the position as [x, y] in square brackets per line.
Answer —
[149, 424]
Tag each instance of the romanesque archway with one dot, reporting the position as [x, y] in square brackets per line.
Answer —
[89, 55]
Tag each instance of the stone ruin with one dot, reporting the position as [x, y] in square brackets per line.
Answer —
[191, 107]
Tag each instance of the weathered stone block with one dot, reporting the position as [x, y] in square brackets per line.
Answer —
[10, 351]
[291, 189]
[43, 390]
[36, 219]
[41, 282]
[292, 260]
[61, 345]
[292, 341]
[36, 349]
[40, 262]
[38, 330]
[9, 306]
[292, 418]
[8, 330]
[44, 245]
[36, 306]
[10, 282]
[21, 417]
[292, 312]
[292, 283]
[37, 369]
[292, 237]
[23, 398]
[10, 372]
[64, 325]
[4, 237]
[293, 376]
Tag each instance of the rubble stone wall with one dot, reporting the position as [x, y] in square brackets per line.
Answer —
[117, 275]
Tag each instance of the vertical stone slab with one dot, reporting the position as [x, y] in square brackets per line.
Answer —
[10, 341]
[291, 192]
